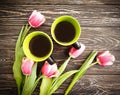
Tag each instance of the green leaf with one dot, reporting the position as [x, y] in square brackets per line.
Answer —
[30, 81]
[63, 66]
[45, 85]
[25, 33]
[19, 54]
[36, 82]
[60, 80]
[81, 71]
[18, 74]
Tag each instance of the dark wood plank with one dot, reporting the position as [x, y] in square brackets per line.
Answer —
[100, 24]
[7, 85]
[60, 2]
[95, 85]
[91, 42]
[7, 60]
[85, 31]
[100, 38]
[87, 85]
[89, 15]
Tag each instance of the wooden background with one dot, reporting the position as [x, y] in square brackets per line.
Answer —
[100, 23]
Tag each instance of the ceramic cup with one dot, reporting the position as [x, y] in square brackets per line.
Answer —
[66, 27]
[38, 46]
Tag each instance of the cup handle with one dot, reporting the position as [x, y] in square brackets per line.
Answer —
[51, 60]
[76, 45]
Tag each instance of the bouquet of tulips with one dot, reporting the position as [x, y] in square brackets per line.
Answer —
[50, 76]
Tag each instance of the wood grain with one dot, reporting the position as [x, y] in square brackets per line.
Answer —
[90, 15]
[6, 61]
[104, 37]
[76, 2]
[88, 85]
[100, 27]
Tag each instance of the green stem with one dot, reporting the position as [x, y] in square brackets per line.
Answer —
[26, 77]
[36, 82]
[45, 85]
[93, 64]
[23, 90]
[38, 79]
[81, 71]
[61, 70]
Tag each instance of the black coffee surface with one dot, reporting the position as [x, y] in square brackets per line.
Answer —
[64, 31]
[39, 46]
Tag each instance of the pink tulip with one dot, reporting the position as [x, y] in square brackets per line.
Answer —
[27, 66]
[74, 53]
[49, 70]
[105, 58]
[36, 19]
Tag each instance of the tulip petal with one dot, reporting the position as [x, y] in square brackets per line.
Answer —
[46, 68]
[53, 70]
[105, 58]
[109, 63]
[27, 66]
[49, 70]
[74, 53]
[33, 14]
[36, 19]
[55, 74]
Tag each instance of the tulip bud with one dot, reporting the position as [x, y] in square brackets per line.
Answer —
[74, 53]
[49, 70]
[27, 66]
[105, 58]
[36, 19]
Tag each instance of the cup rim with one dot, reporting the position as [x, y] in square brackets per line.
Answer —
[56, 21]
[27, 50]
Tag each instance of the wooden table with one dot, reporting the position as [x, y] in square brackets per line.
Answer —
[100, 24]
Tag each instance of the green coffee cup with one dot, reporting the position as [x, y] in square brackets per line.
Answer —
[65, 30]
[38, 46]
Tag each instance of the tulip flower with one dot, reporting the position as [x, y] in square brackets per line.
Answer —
[49, 70]
[74, 53]
[27, 66]
[36, 19]
[105, 58]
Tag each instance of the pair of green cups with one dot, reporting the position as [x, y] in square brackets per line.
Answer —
[29, 37]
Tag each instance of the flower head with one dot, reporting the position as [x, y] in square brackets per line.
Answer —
[49, 70]
[36, 19]
[105, 58]
[27, 66]
[74, 53]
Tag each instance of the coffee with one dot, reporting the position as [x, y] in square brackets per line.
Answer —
[40, 46]
[64, 31]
